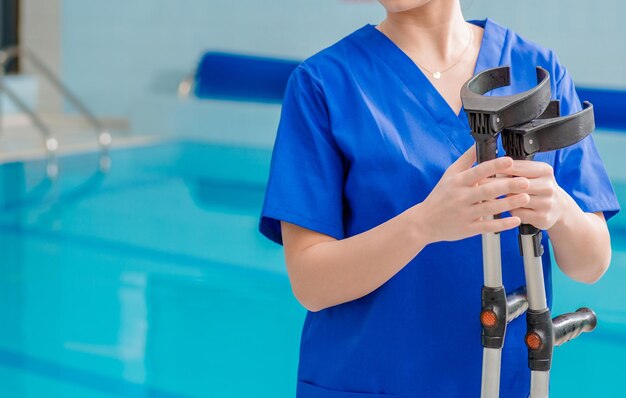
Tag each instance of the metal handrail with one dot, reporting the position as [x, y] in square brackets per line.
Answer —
[104, 137]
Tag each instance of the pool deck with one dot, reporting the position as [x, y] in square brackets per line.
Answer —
[20, 140]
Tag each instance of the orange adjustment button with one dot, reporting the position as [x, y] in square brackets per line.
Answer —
[488, 319]
[533, 341]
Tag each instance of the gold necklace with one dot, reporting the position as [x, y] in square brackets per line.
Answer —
[437, 74]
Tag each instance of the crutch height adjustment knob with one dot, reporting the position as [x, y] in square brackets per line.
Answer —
[488, 319]
[533, 341]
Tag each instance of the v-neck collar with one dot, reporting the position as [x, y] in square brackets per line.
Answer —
[489, 56]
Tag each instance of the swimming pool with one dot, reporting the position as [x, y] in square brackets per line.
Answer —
[153, 281]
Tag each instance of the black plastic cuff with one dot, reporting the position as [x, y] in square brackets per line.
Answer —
[540, 322]
[494, 299]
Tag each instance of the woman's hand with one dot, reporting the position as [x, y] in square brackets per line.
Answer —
[581, 241]
[455, 207]
[547, 200]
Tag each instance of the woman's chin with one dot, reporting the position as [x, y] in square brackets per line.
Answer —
[396, 6]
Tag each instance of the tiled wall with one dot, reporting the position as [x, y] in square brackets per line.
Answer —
[114, 52]
[586, 35]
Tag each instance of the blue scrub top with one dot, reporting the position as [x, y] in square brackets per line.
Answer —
[363, 136]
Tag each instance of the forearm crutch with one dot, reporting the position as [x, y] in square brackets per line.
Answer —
[550, 132]
[488, 116]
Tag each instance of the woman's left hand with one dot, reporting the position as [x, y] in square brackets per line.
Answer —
[547, 201]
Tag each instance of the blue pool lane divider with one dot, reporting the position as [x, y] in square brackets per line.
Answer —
[609, 106]
[241, 77]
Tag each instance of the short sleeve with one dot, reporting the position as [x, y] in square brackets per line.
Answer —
[578, 169]
[305, 185]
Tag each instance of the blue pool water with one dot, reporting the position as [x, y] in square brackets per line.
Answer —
[152, 281]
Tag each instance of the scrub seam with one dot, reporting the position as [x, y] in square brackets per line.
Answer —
[317, 86]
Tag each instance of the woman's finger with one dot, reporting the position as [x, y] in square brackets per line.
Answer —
[538, 203]
[496, 187]
[530, 169]
[528, 216]
[494, 226]
[497, 206]
[540, 186]
[492, 167]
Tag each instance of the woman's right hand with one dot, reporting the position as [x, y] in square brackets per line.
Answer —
[325, 271]
[464, 194]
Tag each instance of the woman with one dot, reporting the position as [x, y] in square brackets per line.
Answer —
[373, 194]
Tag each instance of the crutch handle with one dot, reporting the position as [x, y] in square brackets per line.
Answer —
[569, 326]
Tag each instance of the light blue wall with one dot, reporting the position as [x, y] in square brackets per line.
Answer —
[588, 36]
[116, 52]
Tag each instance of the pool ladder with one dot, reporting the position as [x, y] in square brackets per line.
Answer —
[51, 143]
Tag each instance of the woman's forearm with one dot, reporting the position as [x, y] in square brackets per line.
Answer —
[581, 242]
[338, 271]
[325, 271]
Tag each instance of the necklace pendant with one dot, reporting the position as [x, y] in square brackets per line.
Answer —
[437, 75]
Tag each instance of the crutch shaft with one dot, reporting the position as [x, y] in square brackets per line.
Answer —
[490, 385]
[531, 248]
[539, 384]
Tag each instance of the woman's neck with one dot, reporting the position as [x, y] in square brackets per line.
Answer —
[436, 28]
